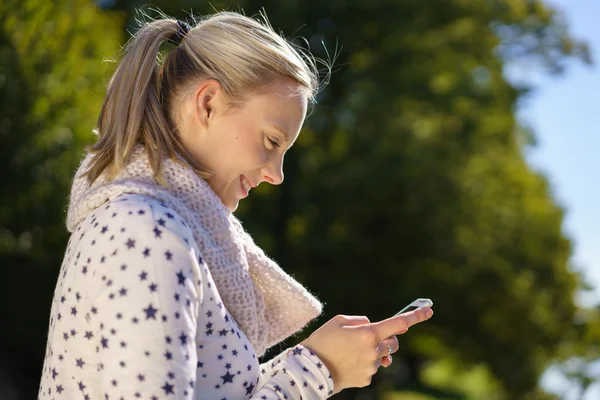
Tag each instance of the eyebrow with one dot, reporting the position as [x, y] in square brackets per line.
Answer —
[283, 133]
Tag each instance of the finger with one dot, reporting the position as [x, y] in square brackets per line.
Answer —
[400, 323]
[386, 361]
[385, 348]
[393, 341]
[378, 363]
[350, 320]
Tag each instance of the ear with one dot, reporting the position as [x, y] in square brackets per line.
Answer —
[208, 101]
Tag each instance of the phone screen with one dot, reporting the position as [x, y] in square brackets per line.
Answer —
[418, 303]
[406, 309]
[409, 309]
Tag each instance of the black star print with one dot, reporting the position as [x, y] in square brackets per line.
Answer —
[130, 243]
[180, 278]
[157, 232]
[168, 388]
[146, 252]
[80, 363]
[143, 276]
[183, 338]
[150, 312]
[227, 378]
[168, 255]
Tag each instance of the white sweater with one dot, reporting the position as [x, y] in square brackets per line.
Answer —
[137, 312]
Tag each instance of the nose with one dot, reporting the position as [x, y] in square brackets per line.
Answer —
[273, 172]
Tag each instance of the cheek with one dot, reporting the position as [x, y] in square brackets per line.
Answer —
[250, 149]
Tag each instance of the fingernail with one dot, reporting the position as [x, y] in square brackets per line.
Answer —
[429, 313]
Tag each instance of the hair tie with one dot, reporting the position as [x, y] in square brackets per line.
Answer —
[182, 29]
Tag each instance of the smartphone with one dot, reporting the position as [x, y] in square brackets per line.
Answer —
[418, 303]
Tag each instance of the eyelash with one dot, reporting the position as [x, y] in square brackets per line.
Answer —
[274, 143]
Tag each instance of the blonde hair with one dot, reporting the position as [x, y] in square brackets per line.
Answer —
[244, 55]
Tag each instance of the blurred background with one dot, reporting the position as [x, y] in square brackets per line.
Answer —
[453, 156]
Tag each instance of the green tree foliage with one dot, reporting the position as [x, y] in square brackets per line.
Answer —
[52, 82]
[408, 180]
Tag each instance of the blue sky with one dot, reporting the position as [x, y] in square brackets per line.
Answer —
[565, 114]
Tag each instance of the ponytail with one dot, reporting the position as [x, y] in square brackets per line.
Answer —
[133, 111]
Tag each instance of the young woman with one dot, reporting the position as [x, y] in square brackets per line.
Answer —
[162, 294]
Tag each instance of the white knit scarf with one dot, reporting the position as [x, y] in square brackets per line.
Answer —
[268, 304]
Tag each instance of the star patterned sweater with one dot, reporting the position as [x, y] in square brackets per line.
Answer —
[136, 314]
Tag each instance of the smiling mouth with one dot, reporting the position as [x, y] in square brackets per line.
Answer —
[246, 185]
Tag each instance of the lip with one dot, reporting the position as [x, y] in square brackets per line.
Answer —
[244, 191]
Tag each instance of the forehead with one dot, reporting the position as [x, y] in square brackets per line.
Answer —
[283, 105]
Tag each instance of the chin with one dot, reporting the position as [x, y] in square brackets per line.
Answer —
[232, 206]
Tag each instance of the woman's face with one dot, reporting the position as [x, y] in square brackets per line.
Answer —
[242, 146]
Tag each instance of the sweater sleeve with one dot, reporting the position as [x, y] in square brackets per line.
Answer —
[144, 314]
[296, 373]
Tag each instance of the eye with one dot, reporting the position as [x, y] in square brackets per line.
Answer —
[273, 142]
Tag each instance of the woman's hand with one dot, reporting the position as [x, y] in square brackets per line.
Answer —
[353, 348]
